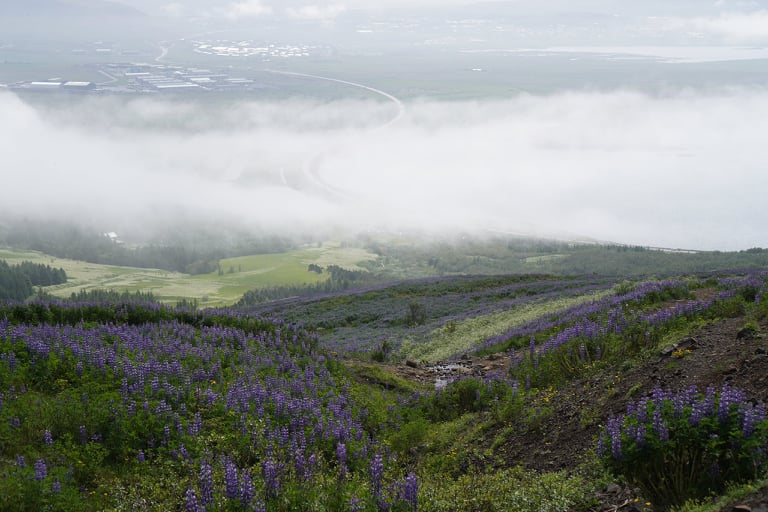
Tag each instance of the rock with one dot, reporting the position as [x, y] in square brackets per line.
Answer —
[465, 357]
[493, 357]
[411, 364]
[685, 344]
[666, 352]
[760, 351]
[613, 489]
[688, 343]
[747, 333]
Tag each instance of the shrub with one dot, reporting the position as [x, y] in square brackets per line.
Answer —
[416, 315]
[687, 445]
[508, 489]
[468, 394]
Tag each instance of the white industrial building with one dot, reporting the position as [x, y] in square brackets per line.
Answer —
[42, 86]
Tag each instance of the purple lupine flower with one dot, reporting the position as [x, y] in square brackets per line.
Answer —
[21, 462]
[614, 431]
[300, 464]
[196, 426]
[41, 470]
[231, 485]
[140, 457]
[206, 484]
[748, 419]
[642, 410]
[709, 401]
[376, 472]
[83, 434]
[56, 487]
[411, 491]
[271, 478]
[190, 502]
[311, 465]
[640, 436]
[341, 455]
[728, 397]
[698, 411]
[247, 490]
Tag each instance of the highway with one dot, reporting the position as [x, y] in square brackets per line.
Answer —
[312, 166]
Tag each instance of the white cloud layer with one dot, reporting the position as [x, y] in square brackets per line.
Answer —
[680, 171]
[736, 28]
[247, 9]
[316, 12]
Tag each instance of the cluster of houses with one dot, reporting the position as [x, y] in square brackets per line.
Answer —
[249, 49]
[143, 78]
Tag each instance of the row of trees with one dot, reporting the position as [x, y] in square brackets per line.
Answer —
[475, 256]
[180, 252]
[17, 281]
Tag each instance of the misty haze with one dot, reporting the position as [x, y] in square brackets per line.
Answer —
[630, 125]
[383, 255]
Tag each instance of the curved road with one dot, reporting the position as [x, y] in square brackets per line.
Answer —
[163, 52]
[396, 101]
[311, 168]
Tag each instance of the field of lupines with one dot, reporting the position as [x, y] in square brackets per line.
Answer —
[558, 346]
[360, 321]
[204, 412]
[678, 446]
[145, 407]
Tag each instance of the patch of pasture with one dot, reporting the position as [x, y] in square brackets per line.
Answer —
[239, 274]
[455, 338]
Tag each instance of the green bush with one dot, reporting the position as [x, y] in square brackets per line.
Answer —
[688, 445]
[733, 307]
[505, 490]
[465, 395]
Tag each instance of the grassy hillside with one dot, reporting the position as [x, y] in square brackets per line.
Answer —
[144, 407]
[213, 289]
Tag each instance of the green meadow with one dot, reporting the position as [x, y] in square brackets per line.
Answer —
[237, 275]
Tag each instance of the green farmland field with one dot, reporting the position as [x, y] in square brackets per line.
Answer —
[239, 274]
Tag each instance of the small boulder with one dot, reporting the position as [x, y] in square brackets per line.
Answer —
[748, 333]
